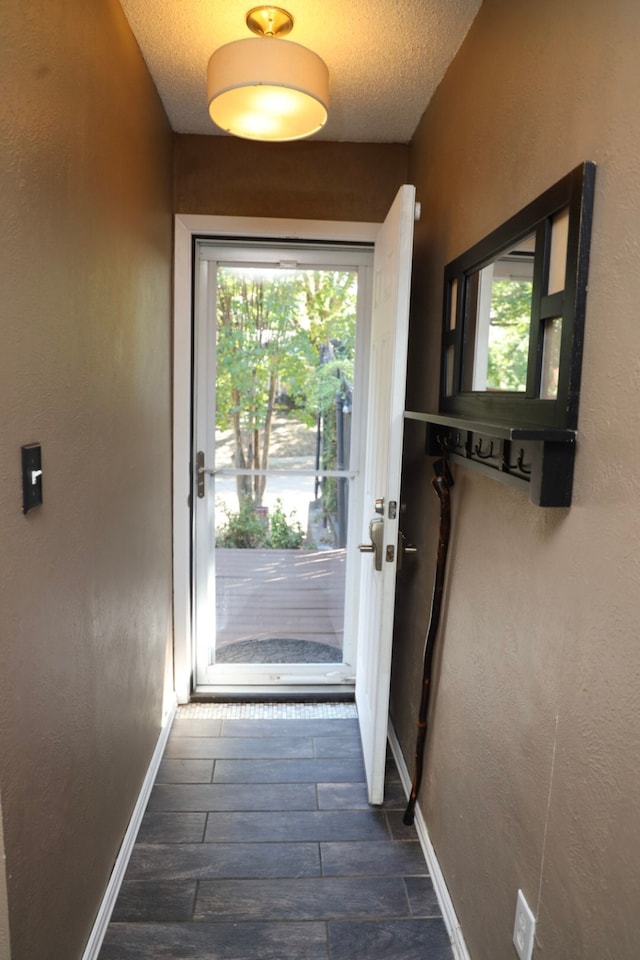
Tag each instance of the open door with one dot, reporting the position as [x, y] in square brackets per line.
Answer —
[382, 473]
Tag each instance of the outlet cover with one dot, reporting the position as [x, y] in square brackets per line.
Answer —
[524, 928]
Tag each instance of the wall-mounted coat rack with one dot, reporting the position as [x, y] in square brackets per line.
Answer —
[538, 461]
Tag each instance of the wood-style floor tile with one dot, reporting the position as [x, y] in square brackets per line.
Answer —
[215, 941]
[297, 826]
[384, 858]
[195, 728]
[247, 748]
[185, 771]
[172, 828]
[288, 771]
[223, 796]
[398, 829]
[289, 728]
[155, 902]
[320, 899]
[342, 796]
[325, 747]
[207, 861]
[422, 897]
[389, 940]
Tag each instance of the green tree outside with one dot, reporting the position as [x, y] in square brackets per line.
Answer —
[509, 327]
[280, 334]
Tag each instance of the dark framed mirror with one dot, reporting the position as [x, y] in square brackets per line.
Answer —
[514, 308]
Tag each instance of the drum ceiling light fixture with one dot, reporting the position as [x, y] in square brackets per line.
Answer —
[265, 88]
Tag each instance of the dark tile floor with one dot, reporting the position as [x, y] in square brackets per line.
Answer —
[258, 844]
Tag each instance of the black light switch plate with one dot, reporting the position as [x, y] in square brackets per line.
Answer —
[31, 476]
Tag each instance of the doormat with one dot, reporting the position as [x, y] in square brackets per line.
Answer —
[274, 650]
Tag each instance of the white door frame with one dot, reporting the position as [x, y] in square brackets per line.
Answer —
[187, 226]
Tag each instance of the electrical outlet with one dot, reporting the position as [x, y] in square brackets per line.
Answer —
[524, 928]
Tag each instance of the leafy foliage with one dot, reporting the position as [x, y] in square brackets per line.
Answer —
[510, 323]
[279, 333]
[284, 534]
[248, 529]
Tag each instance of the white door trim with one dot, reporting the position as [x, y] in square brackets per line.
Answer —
[188, 226]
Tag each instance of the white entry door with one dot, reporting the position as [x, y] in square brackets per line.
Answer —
[281, 348]
[382, 473]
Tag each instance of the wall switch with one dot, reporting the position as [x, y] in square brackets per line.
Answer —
[31, 476]
[524, 928]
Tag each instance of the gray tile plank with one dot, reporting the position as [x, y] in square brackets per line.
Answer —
[185, 771]
[342, 796]
[288, 771]
[384, 858]
[223, 796]
[240, 747]
[297, 826]
[353, 796]
[389, 940]
[155, 902]
[422, 897]
[337, 747]
[390, 770]
[320, 899]
[289, 728]
[394, 796]
[398, 829]
[195, 728]
[172, 828]
[211, 861]
[215, 941]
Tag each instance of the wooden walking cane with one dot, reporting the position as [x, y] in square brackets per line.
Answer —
[441, 483]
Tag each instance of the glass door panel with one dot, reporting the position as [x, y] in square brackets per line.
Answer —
[280, 430]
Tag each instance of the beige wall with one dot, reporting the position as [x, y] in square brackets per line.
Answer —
[533, 773]
[5, 953]
[85, 590]
[313, 180]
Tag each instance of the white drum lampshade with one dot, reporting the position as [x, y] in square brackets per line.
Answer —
[263, 88]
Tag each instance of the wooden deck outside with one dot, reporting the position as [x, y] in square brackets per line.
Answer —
[283, 594]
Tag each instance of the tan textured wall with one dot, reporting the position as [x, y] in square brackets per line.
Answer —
[313, 180]
[85, 581]
[533, 775]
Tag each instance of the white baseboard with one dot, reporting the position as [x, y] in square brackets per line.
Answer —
[458, 945]
[117, 875]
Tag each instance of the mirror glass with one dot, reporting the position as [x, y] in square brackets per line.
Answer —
[499, 321]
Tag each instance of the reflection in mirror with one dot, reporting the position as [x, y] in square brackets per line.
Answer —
[558, 257]
[500, 321]
[551, 358]
[449, 371]
[454, 305]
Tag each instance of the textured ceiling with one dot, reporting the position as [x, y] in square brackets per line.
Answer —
[385, 60]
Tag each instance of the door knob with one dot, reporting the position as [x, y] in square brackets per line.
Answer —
[376, 533]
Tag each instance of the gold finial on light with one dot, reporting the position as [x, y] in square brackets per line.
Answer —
[269, 21]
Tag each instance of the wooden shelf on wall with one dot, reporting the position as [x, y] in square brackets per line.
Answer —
[536, 459]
